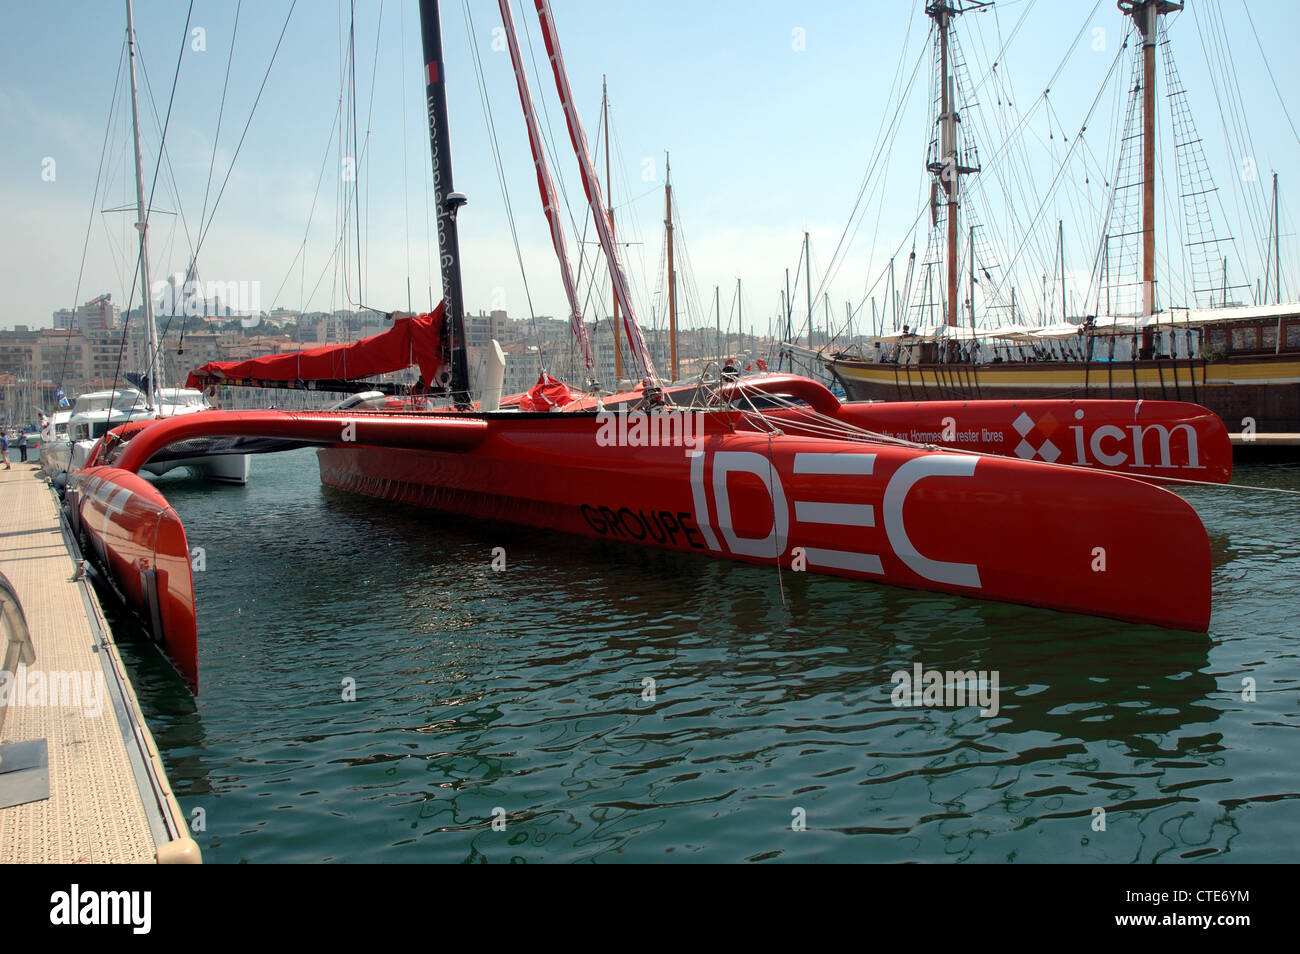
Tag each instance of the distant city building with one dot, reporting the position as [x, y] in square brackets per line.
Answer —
[88, 350]
[98, 314]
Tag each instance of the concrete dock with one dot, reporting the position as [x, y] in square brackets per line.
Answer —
[108, 800]
[1247, 441]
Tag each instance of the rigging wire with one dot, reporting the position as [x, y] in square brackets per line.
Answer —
[1057, 178]
[879, 153]
[162, 151]
[1281, 102]
[221, 111]
[203, 234]
[302, 247]
[485, 101]
[90, 224]
[162, 143]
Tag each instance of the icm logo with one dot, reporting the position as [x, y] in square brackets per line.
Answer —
[1034, 437]
[1138, 446]
[76, 907]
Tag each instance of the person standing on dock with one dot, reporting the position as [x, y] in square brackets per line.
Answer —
[4, 449]
[22, 446]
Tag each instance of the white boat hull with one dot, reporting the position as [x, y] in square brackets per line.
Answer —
[224, 468]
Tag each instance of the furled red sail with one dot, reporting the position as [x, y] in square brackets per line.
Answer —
[546, 395]
[416, 340]
[594, 196]
[550, 205]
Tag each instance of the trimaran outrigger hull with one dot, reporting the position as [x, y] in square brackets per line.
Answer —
[1064, 538]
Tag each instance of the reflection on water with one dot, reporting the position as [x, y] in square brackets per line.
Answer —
[523, 696]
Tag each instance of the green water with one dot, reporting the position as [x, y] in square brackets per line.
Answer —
[519, 695]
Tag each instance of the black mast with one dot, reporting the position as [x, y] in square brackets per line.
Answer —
[447, 203]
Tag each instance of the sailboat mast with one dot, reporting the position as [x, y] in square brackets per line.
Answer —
[1277, 251]
[1145, 14]
[947, 167]
[672, 272]
[1105, 271]
[971, 254]
[717, 317]
[949, 142]
[447, 203]
[1148, 27]
[807, 280]
[1277, 268]
[609, 210]
[787, 308]
[740, 318]
[1060, 245]
[142, 226]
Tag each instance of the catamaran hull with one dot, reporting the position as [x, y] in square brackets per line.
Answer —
[138, 539]
[982, 527]
[223, 468]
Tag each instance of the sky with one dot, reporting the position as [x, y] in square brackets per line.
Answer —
[772, 112]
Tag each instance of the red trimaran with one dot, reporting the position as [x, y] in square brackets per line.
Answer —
[1025, 502]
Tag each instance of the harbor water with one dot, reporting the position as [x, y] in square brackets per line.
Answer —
[375, 689]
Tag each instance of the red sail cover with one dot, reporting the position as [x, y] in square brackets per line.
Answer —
[546, 395]
[416, 340]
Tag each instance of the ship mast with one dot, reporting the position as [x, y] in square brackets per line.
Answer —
[807, 280]
[672, 272]
[947, 168]
[1145, 14]
[609, 184]
[142, 226]
[447, 203]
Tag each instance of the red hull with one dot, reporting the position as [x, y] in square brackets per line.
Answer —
[1065, 538]
[986, 527]
[1152, 440]
[1159, 440]
[138, 537]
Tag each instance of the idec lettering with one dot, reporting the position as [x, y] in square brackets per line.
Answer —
[811, 513]
[818, 524]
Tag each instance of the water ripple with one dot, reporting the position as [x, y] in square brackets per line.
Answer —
[373, 691]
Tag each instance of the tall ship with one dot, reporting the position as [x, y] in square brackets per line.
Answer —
[1127, 340]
